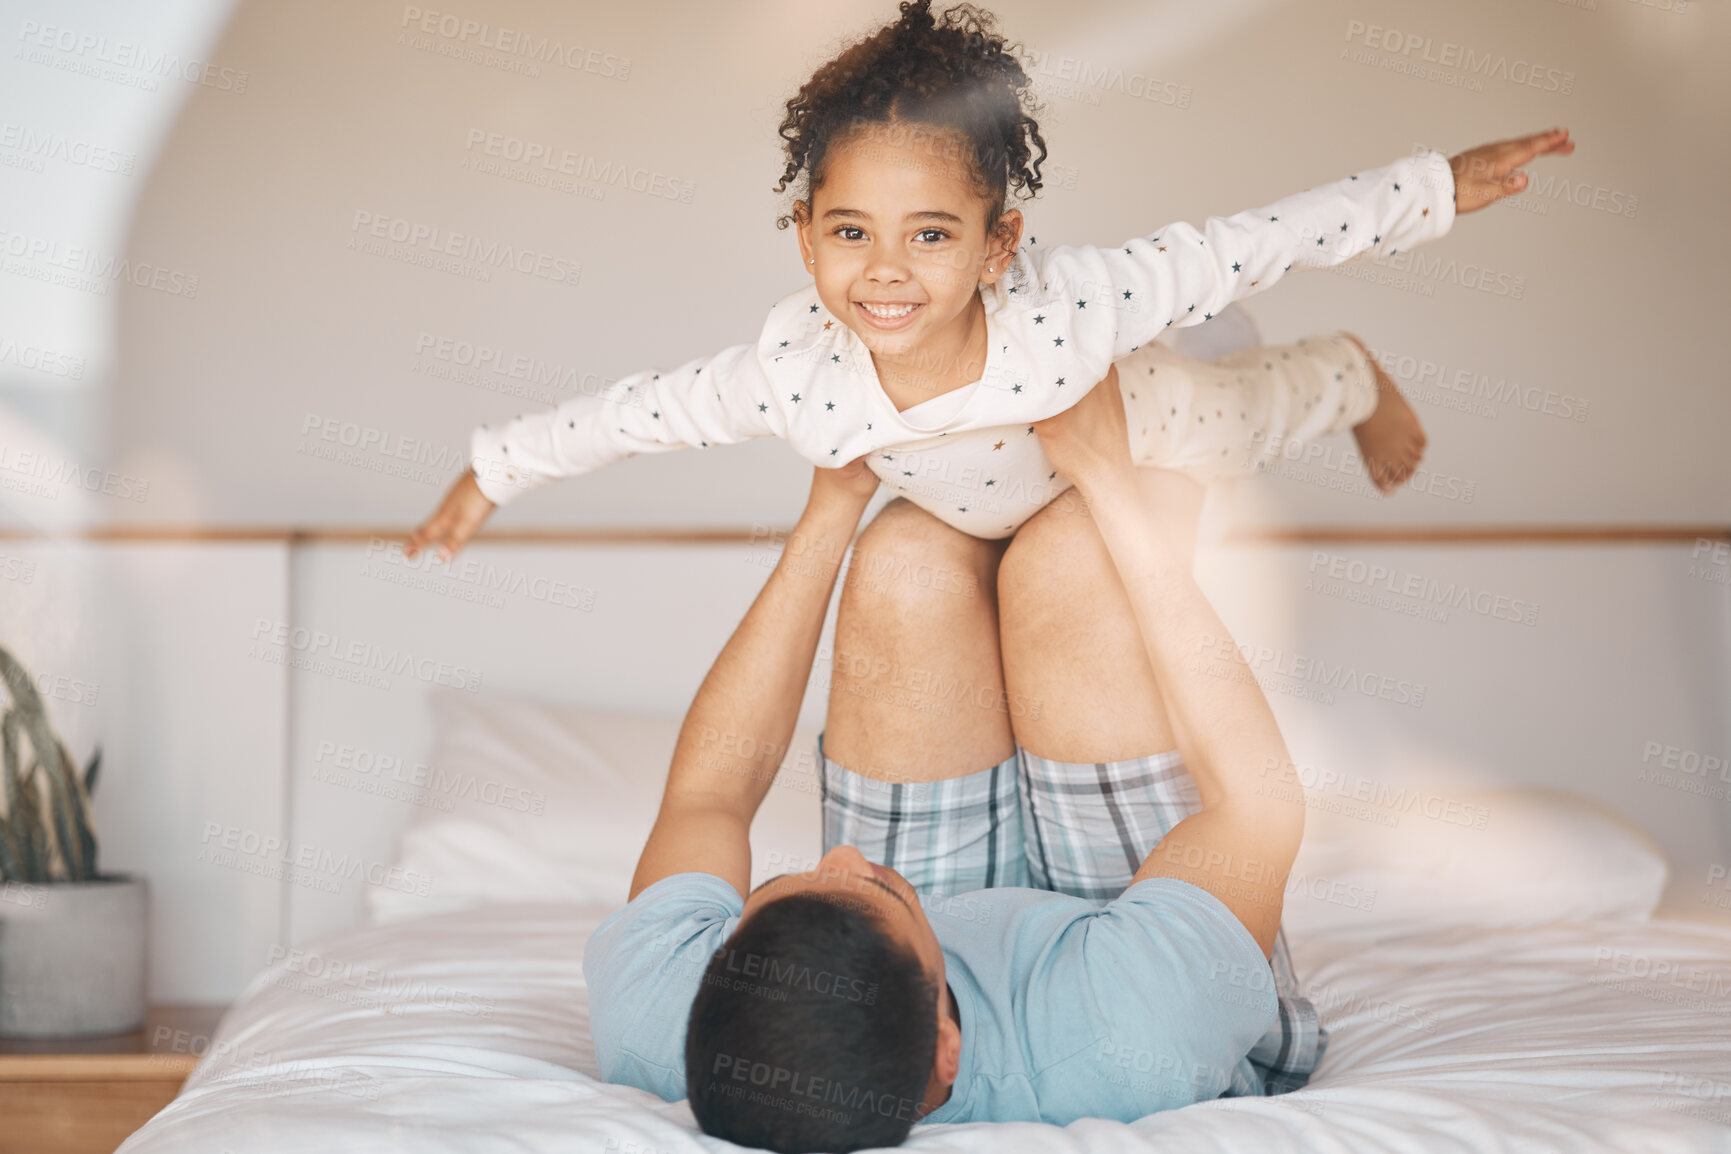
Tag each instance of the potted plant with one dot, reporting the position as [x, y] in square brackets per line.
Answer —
[72, 940]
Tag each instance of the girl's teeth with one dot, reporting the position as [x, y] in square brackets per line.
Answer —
[889, 314]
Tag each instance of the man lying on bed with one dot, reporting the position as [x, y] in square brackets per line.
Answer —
[985, 977]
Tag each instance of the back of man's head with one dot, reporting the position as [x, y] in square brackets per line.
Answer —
[813, 1030]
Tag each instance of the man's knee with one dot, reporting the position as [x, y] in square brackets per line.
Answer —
[906, 554]
[903, 521]
[1057, 551]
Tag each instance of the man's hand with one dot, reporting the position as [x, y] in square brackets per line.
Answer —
[852, 483]
[454, 522]
[1090, 441]
[1486, 174]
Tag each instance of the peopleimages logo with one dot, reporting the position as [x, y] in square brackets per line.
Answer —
[369, 772]
[553, 160]
[788, 976]
[54, 471]
[1338, 575]
[789, 1086]
[1265, 663]
[477, 576]
[40, 144]
[1381, 798]
[330, 973]
[1474, 386]
[1074, 78]
[40, 359]
[363, 655]
[1449, 55]
[52, 261]
[518, 42]
[425, 244]
[268, 855]
[99, 50]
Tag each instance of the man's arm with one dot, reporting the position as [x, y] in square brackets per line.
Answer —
[1241, 844]
[737, 729]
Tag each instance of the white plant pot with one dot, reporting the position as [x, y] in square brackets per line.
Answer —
[72, 957]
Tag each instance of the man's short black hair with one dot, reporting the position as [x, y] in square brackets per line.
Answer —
[813, 1030]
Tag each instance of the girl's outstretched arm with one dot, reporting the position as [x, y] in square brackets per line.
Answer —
[1124, 296]
[716, 400]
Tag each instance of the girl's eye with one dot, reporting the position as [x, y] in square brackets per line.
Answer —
[929, 235]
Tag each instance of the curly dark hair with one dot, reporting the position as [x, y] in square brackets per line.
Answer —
[953, 74]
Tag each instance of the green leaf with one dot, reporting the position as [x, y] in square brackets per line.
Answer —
[33, 832]
[77, 813]
[67, 812]
[11, 830]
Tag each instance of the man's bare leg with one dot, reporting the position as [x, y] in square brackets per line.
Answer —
[1070, 639]
[916, 690]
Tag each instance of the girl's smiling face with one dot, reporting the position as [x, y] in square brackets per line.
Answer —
[896, 237]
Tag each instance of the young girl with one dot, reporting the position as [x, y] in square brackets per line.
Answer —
[932, 336]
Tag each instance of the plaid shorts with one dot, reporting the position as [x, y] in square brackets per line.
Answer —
[1073, 828]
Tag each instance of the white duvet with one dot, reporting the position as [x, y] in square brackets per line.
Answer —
[468, 1031]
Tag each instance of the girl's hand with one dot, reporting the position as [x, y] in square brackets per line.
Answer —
[1090, 442]
[1486, 174]
[454, 522]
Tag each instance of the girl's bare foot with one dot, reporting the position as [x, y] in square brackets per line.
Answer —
[1391, 439]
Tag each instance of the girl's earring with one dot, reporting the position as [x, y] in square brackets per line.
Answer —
[811, 260]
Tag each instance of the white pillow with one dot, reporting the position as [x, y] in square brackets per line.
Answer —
[1467, 857]
[553, 803]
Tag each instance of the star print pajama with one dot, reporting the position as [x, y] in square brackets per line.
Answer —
[1055, 322]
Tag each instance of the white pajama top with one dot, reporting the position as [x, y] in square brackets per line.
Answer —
[1055, 323]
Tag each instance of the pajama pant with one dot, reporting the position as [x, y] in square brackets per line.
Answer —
[1232, 417]
[1077, 829]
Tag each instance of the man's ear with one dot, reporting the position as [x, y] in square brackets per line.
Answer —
[949, 1059]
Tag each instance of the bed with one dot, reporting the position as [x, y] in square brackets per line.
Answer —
[1486, 962]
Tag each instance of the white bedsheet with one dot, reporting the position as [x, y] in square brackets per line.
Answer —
[468, 1031]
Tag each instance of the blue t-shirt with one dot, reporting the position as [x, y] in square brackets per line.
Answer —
[1069, 1008]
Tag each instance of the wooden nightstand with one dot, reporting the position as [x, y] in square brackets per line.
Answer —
[85, 1095]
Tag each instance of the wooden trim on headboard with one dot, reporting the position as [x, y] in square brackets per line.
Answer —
[330, 534]
[1546, 534]
[1482, 534]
